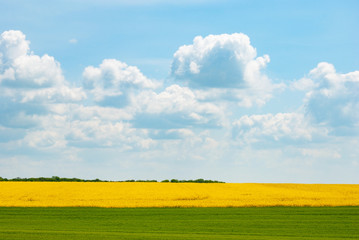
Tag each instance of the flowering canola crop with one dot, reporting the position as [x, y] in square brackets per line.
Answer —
[129, 194]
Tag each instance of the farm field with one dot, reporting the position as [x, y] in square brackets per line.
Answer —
[179, 223]
[119, 194]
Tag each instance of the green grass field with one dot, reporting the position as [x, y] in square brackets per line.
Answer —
[179, 223]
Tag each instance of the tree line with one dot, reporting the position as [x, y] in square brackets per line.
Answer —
[60, 179]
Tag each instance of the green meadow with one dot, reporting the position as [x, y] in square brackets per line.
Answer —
[179, 223]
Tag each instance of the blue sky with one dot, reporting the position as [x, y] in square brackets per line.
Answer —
[238, 91]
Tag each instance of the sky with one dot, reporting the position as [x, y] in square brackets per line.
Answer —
[230, 90]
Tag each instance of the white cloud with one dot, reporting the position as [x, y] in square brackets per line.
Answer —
[219, 61]
[20, 68]
[228, 63]
[83, 113]
[173, 99]
[25, 76]
[303, 84]
[45, 139]
[243, 97]
[33, 71]
[30, 85]
[73, 41]
[131, 120]
[334, 99]
[111, 82]
[175, 107]
[57, 94]
[284, 128]
[13, 44]
[75, 126]
[99, 133]
[115, 74]
[171, 134]
[324, 153]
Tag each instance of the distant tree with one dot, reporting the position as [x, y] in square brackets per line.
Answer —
[56, 178]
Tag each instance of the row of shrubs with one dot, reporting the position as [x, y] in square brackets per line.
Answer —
[52, 179]
[58, 179]
[200, 180]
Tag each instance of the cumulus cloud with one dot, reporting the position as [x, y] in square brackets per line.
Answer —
[333, 99]
[214, 61]
[22, 69]
[37, 99]
[32, 71]
[95, 127]
[26, 76]
[105, 134]
[243, 97]
[13, 44]
[175, 107]
[227, 62]
[29, 83]
[77, 126]
[279, 128]
[303, 84]
[111, 82]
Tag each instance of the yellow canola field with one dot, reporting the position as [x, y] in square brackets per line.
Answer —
[128, 194]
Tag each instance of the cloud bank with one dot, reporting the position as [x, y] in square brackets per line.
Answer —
[210, 113]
